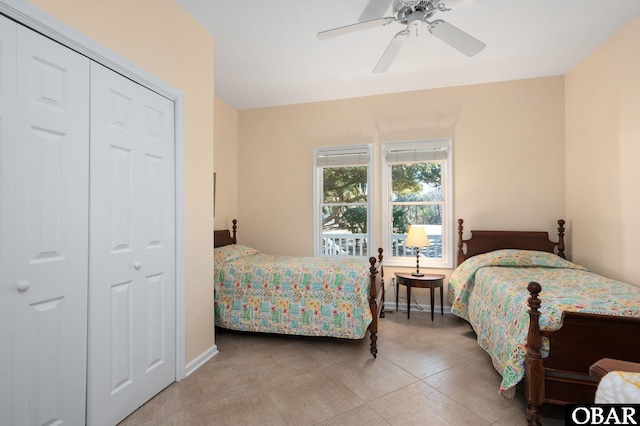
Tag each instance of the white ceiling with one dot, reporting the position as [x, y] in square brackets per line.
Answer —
[267, 53]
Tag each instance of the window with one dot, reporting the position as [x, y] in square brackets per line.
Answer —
[416, 187]
[343, 207]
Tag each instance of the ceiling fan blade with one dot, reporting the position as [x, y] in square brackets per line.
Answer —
[374, 9]
[323, 35]
[455, 4]
[391, 52]
[456, 38]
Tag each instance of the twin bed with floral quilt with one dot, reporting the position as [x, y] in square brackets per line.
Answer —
[582, 318]
[304, 296]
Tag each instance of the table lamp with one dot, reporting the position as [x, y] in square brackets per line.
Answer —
[417, 238]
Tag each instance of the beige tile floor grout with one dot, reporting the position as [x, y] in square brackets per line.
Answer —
[426, 373]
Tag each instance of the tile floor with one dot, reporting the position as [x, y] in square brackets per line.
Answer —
[426, 373]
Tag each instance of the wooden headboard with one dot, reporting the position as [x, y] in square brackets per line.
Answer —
[486, 241]
[225, 237]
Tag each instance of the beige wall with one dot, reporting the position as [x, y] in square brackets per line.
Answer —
[159, 36]
[603, 154]
[225, 164]
[508, 156]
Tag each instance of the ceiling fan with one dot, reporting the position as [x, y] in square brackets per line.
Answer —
[412, 14]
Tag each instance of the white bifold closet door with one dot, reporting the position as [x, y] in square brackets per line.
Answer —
[132, 247]
[7, 214]
[44, 199]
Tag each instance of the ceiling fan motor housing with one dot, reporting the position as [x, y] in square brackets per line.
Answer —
[407, 12]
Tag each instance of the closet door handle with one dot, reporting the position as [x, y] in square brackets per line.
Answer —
[22, 286]
[137, 265]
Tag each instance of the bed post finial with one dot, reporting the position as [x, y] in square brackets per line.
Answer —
[380, 257]
[460, 242]
[234, 228]
[533, 338]
[561, 223]
[372, 269]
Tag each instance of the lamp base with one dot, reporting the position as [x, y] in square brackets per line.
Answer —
[417, 273]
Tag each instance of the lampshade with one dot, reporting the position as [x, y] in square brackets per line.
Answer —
[417, 236]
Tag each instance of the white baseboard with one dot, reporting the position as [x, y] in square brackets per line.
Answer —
[402, 307]
[200, 360]
[390, 306]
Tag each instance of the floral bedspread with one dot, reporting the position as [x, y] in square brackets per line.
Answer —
[291, 295]
[490, 291]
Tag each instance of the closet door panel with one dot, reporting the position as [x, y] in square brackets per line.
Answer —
[7, 201]
[156, 225]
[132, 276]
[51, 232]
[115, 290]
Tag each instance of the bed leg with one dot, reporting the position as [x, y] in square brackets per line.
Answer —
[534, 367]
[374, 346]
[533, 414]
[375, 268]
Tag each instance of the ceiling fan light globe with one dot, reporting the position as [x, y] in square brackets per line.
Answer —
[415, 20]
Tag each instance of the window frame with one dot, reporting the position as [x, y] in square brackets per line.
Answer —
[318, 192]
[448, 225]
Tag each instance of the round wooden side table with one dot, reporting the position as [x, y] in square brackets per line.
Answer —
[429, 281]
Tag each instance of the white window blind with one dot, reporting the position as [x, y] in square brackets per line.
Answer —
[415, 156]
[416, 152]
[344, 158]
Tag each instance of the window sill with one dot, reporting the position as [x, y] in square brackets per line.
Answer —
[411, 263]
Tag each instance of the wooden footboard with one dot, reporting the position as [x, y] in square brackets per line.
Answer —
[376, 298]
[563, 376]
